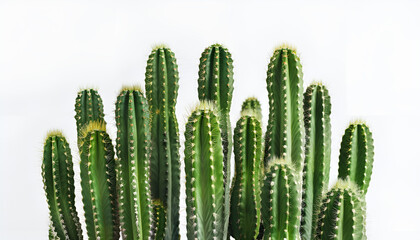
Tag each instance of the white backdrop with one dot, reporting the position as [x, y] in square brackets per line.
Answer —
[366, 53]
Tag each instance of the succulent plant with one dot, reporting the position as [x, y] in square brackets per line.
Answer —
[254, 105]
[281, 201]
[57, 175]
[162, 91]
[316, 170]
[133, 165]
[245, 205]
[204, 172]
[356, 155]
[99, 192]
[342, 214]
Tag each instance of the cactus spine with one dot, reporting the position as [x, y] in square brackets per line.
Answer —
[281, 201]
[88, 108]
[342, 213]
[215, 83]
[285, 130]
[316, 170]
[162, 91]
[204, 175]
[133, 166]
[245, 212]
[97, 170]
[356, 155]
[57, 175]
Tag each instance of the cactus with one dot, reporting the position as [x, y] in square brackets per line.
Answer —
[281, 201]
[97, 170]
[57, 175]
[342, 213]
[204, 175]
[285, 130]
[316, 170]
[215, 83]
[159, 220]
[252, 104]
[356, 155]
[162, 91]
[88, 108]
[133, 166]
[245, 205]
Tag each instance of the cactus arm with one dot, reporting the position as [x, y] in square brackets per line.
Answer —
[246, 192]
[204, 175]
[58, 178]
[317, 110]
[285, 131]
[98, 175]
[252, 104]
[133, 145]
[162, 91]
[356, 155]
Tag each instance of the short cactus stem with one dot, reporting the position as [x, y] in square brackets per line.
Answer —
[133, 164]
[162, 91]
[215, 83]
[58, 178]
[285, 130]
[316, 170]
[245, 205]
[88, 108]
[158, 220]
[356, 155]
[281, 201]
[252, 104]
[99, 194]
[342, 214]
[205, 189]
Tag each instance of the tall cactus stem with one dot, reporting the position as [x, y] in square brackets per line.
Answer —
[133, 164]
[162, 91]
[58, 178]
[316, 170]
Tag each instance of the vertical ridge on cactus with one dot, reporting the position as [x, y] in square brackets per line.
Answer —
[342, 214]
[245, 212]
[285, 130]
[356, 155]
[133, 166]
[316, 170]
[204, 172]
[88, 108]
[57, 175]
[162, 91]
[99, 193]
[215, 83]
[281, 201]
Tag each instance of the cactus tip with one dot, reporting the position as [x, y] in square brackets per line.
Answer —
[131, 88]
[251, 113]
[206, 105]
[54, 132]
[275, 161]
[86, 88]
[93, 126]
[286, 46]
[159, 46]
[346, 184]
[358, 121]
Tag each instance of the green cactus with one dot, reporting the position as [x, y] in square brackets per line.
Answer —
[162, 91]
[204, 172]
[133, 166]
[97, 171]
[215, 83]
[159, 220]
[285, 130]
[57, 175]
[245, 205]
[88, 108]
[254, 105]
[356, 155]
[281, 201]
[316, 170]
[342, 214]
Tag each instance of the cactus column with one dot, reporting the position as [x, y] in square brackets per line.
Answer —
[245, 205]
[285, 130]
[162, 91]
[58, 178]
[316, 170]
[97, 171]
[215, 83]
[133, 166]
[205, 188]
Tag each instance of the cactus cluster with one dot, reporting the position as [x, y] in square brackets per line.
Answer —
[280, 185]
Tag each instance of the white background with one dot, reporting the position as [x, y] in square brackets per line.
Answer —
[366, 53]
